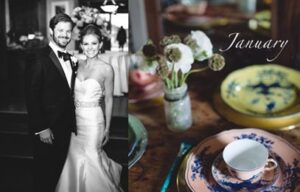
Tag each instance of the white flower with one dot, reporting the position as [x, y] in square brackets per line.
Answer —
[149, 66]
[23, 38]
[88, 19]
[80, 23]
[99, 21]
[203, 49]
[144, 64]
[74, 59]
[77, 9]
[74, 19]
[182, 57]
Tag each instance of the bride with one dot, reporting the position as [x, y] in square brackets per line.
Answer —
[87, 167]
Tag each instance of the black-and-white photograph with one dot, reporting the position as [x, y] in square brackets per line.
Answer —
[214, 97]
[63, 101]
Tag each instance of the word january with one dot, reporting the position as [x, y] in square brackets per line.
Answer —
[256, 44]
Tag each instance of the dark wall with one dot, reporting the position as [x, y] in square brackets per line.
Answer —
[26, 16]
[285, 26]
[3, 61]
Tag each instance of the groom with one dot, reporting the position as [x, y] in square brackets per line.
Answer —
[50, 76]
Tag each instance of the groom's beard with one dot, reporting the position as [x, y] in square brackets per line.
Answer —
[61, 41]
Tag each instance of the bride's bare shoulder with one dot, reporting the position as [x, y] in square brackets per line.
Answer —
[104, 67]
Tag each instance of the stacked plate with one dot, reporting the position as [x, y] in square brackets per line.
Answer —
[204, 170]
[137, 140]
[264, 96]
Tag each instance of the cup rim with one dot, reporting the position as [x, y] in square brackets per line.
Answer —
[259, 166]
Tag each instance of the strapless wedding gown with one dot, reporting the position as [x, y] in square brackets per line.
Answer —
[87, 167]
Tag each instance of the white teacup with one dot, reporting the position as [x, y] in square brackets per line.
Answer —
[247, 158]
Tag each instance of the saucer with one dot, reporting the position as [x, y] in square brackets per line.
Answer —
[138, 140]
[257, 183]
[195, 171]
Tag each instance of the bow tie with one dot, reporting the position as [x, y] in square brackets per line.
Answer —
[64, 56]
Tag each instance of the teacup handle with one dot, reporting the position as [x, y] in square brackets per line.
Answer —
[273, 165]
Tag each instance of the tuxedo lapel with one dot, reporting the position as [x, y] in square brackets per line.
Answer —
[58, 65]
[73, 80]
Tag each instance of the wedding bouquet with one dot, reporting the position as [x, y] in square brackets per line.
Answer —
[175, 62]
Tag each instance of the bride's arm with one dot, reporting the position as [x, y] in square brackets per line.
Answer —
[109, 87]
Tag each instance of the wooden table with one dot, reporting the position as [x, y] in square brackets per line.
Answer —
[148, 174]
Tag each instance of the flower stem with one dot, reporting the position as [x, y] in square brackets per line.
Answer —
[176, 78]
[167, 82]
[173, 83]
[198, 70]
[194, 71]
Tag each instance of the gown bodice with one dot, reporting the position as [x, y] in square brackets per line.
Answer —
[88, 90]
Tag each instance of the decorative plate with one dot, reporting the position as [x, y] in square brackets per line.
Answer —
[138, 139]
[195, 171]
[205, 22]
[280, 121]
[258, 183]
[143, 93]
[262, 90]
[132, 141]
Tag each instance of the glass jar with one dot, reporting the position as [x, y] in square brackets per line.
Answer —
[177, 106]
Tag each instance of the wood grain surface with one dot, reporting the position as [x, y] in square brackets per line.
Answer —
[148, 174]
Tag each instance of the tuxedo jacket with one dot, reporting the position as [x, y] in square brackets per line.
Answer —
[49, 98]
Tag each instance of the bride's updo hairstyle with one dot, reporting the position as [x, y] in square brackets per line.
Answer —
[91, 30]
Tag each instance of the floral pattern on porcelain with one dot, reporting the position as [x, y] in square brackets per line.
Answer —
[255, 184]
[263, 140]
[264, 89]
[198, 173]
[265, 93]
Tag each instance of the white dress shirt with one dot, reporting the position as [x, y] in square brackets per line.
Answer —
[66, 65]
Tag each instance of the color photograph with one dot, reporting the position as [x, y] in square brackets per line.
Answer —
[214, 96]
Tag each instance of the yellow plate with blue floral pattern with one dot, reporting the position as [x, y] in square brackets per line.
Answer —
[274, 123]
[262, 90]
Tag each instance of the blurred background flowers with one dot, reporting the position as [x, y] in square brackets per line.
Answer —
[83, 16]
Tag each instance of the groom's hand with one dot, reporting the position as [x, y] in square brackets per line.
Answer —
[47, 136]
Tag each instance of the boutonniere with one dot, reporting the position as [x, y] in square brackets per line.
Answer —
[74, 63]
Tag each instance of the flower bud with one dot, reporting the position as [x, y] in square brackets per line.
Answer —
[170, 40]
[173, 54]
[188, 40]
[149, 50]
[216, 62]
[162, 68]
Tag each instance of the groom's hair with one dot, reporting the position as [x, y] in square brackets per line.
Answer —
[60, 17]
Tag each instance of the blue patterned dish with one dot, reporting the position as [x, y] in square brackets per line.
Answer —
[255, 184]
[262, 90]
[198, 175]
[138, 140]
